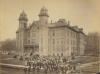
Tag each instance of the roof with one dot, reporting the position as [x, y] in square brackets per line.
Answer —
[34, 23]
[23, 16]
[63, 23]
[43, 12]
[29, 27]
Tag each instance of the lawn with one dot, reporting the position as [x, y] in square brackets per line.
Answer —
[3, 56]
[15, 61]
[92, 69]
[85, 59]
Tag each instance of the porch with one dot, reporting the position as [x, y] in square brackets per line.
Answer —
[31, 49]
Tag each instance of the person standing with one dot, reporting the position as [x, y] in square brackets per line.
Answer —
[25, 63]
[33, 66]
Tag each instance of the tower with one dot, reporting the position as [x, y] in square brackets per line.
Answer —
[23, 20]
[43, 31]
[21, 33]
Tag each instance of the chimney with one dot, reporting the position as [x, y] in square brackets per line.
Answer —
[68, 23]
[51, 22]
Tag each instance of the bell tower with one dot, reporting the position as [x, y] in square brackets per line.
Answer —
[21, 34]
[43, 16]
[23, 20]
[43, 31]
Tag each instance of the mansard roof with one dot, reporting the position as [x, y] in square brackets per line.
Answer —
[63, 23]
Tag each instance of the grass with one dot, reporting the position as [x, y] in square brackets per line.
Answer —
[15, 61]
[85, 59]
[93, 69]
[3, 56]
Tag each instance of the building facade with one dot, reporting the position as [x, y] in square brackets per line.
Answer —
[92, 43]
[43, 38]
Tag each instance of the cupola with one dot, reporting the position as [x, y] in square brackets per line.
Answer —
[23, 16]
[43, 12]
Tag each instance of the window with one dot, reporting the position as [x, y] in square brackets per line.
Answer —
[20, 42]
[67, 32]
[71, 42]
[24, 25]
[57, 41]
[71, 34]
[68, 48]
[67, 41]
[62, 42]
[71, 49]
[57, 54]
[58, 49]
[42, 21]
[46, 23]
[61, 54]
[48, 41]
[61, 32]
[53, 48]
[28, 34]
[20, 25]
[74, 42]
[41, 33]
[53, 41]
[48, 48]
[48, 32]
[61, 48]
[20, 48]
[53, 54]
[34, 41]
[53, 33]
[20, 34]
[74, 35]
[41, 40]
[17, 43]
[41, 48]
[34, 33]
[29, 41]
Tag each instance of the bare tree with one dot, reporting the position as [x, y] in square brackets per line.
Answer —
[8, 45]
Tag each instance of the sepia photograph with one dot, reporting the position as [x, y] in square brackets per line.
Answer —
[49, 36]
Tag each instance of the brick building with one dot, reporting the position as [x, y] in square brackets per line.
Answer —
[45, 38]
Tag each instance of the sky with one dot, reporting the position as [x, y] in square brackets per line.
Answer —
[82, 13]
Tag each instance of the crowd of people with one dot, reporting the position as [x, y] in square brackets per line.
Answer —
[49, 65]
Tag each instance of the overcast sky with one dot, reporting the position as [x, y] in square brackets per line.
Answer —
[83, 13]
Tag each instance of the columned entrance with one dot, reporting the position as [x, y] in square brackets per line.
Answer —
[31, 49]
